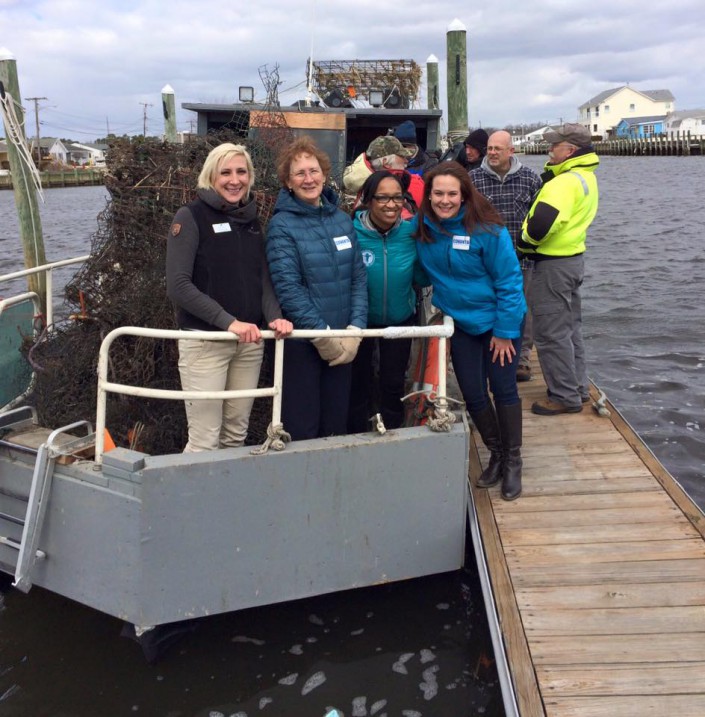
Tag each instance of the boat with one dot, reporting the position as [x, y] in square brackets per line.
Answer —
[156, 539]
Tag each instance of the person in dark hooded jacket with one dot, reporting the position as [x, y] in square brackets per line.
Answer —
[321, 283]
[421, 161]
[475, 148]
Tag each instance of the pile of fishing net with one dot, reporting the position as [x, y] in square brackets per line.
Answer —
[123, 284]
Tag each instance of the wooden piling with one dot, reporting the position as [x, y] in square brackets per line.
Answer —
[25, 194]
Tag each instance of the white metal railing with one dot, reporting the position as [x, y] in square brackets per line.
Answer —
[48, 270]
[441, 331]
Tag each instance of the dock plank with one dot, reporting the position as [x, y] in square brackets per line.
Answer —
[688, 705]
[586, 553]
[617, 621]
[653, 571]
[604, 560]
[618, 649]
[638, 680]
[612, 595]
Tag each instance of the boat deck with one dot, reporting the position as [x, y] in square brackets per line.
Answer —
[598, 572]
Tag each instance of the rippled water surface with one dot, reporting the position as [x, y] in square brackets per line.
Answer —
[418, 648]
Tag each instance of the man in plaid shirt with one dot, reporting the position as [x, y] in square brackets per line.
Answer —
[511, 188]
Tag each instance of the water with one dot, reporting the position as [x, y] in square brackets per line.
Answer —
[419, 646]
[644, 321]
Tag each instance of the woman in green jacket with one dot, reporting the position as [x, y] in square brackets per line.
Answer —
[389, 254]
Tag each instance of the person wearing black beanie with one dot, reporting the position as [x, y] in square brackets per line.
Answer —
[475, 148]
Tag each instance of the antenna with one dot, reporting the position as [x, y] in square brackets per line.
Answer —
[309, 83]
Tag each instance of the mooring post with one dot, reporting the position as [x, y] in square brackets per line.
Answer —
[22, 182]
[457, 81]
[169, 107]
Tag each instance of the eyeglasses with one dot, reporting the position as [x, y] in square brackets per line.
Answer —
[302, 174]
[384, 199]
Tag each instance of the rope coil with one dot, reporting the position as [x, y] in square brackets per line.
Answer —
[277, 438]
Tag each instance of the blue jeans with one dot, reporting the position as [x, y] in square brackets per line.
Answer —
[472, 363]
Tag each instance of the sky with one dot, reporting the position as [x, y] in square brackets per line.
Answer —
[102, 64]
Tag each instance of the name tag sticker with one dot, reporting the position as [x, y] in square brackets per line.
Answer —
[220, 228]
[461, 243]
[342, 243]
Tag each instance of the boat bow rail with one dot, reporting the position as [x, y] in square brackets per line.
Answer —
[442, 332]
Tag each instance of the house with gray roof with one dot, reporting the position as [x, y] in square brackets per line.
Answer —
[684, 121]
[602, 113]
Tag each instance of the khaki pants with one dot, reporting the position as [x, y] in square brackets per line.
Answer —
[218, 366]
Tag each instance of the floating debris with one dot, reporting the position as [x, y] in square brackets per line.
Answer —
[253, 640]
[377, 706]
[289, 679]
[400, 665]
[315, 620]
[359, 707]
[296, 650]
[427, 656]
[429, 686]
[316, 680]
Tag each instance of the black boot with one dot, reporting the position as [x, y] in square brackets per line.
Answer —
[486, 423]
[509, 418]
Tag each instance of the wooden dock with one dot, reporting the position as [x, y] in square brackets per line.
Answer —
[67, 178]
[598, 572]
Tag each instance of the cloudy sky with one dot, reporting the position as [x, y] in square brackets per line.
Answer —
[97, 61]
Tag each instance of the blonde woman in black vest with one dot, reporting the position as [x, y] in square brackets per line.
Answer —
[217, 277]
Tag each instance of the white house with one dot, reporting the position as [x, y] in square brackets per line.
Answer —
[536, 136]
[94, 153]
[602, 113]
[685, 121]
[51, 149]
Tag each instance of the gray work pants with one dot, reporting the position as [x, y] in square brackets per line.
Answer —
[527, 339]
[558, 335]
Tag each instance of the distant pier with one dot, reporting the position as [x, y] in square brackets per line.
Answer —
[67, 178]
[677, 145]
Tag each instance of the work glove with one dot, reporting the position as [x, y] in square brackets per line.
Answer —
[350, 345]
[328, 349]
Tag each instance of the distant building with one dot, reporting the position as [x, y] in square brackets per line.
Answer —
[51, 150]
[602, 113]
[640, 127]
[536, 136]
[91, 153]
[685, 121]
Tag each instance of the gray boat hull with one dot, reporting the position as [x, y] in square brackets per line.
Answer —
[190, 535]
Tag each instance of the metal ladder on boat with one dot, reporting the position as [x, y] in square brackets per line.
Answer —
[47, 453]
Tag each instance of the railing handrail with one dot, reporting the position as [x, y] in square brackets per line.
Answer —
[47, 269]
[441, 331]
[44, 267]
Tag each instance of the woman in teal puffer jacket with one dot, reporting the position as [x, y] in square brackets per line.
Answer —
[389, 253]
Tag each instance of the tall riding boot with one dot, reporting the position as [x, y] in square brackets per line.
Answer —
[486, 423]
[509, 418]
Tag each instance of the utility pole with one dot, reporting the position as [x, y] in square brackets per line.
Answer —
[144, 117]
[36, 119]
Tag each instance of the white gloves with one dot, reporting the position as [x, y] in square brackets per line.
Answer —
[350, 345]
[337, 350]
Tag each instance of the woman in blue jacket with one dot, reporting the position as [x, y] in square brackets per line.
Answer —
[389, 254]
[319, 278]
[468, 255]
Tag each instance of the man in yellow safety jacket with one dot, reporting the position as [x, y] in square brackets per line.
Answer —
[553, 235]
